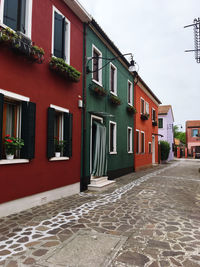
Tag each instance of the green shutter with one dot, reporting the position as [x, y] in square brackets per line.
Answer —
[68, 125]
[28, 130]
[1, 124]
[58, 35]
[50, 132]
[21, 15]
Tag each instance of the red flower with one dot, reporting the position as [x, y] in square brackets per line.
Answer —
[9, 141]
[7, 135]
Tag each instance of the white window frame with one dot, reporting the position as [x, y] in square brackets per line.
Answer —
[94, 48]
[149, 143]
[114, 137]
[146, 107]
[142, 99]
[138, 144]
[17, 97]
[28, 18]
[67, 35]
[61, 128]
[115, 78]
[142, 132]
[131, 93]
[130, 139]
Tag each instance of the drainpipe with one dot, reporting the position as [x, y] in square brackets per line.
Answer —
[83, 185]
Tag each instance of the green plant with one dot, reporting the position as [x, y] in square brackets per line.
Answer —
[12, 144]
[59, 144]
[37, 49]
[131, 109]
[165, 148]
[115, 99]
[97, 89]
[59, 65]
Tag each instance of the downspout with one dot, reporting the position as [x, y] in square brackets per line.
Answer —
[83, 185]
[134, 123]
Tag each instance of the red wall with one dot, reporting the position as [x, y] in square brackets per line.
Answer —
[191, 141]
[44, 88]
[144, 160]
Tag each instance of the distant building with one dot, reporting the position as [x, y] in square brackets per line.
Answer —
[165, 127]
[146, 119]
[192, 135]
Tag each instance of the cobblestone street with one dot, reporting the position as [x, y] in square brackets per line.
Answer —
[153, 216]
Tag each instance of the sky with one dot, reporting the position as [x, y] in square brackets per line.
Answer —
[153, 30]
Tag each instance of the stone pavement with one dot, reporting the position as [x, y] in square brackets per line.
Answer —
[150, 218]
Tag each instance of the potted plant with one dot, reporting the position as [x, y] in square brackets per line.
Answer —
[37, 54]
[154, 123]
[59, 146]
[131, 109]
[97, 89]
[144, 116]
[114, 99]
[11, 145]
[58, 65]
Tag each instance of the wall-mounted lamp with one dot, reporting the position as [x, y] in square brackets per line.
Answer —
[132, 65]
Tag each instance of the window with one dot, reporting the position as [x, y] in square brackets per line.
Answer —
[142, 143]
[137, 142]
[59, 127]
[113, 79]
[194, 132]
[112, 138]
[160, 123]
[17, 119]
[142, 106]
[153, 114]
[150, 148]
[130, 93]
[96, 65]
[147, 107]
[129, 140]
[61, 36]
[17, 14]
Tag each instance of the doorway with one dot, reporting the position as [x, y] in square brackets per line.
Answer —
[153, 150]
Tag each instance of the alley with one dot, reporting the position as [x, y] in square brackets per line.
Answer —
[148, 218]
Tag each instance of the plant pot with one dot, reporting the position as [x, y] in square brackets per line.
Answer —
[57, 154]
[9, 156]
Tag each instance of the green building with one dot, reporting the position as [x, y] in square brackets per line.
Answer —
[108, 116]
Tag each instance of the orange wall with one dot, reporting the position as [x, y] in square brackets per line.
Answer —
[142, 160]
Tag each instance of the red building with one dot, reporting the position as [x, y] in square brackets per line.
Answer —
[146, 126]
[39, 104]
[193, 137]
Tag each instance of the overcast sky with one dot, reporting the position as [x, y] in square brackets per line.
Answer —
[153, 31]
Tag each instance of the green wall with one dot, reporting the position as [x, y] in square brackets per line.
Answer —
[122, 161]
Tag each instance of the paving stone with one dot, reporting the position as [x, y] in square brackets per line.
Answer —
[171, 228]
[23, 240]
[4, 252]
[133, 258]
[40, 252]
[158, 244]
[175, 262]
[154, 264]
[51, 244]
[189, 263]
[164, 263]
[172, 253]
[12, 264]
[29, 261]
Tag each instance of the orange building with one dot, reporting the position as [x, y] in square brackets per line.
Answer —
[146, 126]
[192, 136]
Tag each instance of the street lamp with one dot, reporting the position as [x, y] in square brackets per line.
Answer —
[132, 65]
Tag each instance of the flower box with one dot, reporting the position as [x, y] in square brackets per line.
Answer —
[144, 116]
[97, 90]
[154, 123]
[115, 100]
[58, 65]
[131, 109]
[21, 45]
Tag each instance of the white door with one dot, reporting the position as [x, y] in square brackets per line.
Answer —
[153, 150]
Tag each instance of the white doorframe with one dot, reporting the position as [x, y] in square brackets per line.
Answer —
[153, 150]
[93, 117]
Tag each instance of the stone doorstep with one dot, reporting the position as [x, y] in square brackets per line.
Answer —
[100, 183]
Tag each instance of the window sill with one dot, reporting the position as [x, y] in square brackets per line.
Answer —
[13, 161]
[58, 158]
[113, 93]
[130, 152]
[99, 83]
[113, 153]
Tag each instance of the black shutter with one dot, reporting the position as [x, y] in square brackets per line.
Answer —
[50, 132]
[68, 125]
[58, 35]
[28, 130]
[10, 14]
[63, 38]
[1, 124]
[21, 16]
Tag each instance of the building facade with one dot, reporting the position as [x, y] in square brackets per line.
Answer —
[108, 125]
[146, 126]
[165, 127]
[192, 136]
[39, 102]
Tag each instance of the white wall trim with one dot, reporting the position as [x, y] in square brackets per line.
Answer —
[141, 98]
[114, 137]
[138, 143]
[38, 199]
[58, 158]
[100, 64]
[14, 95]
[115, 79]
[59, 108]
[144, 141]
[131, 92]
[131, 140]
[13, 161]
